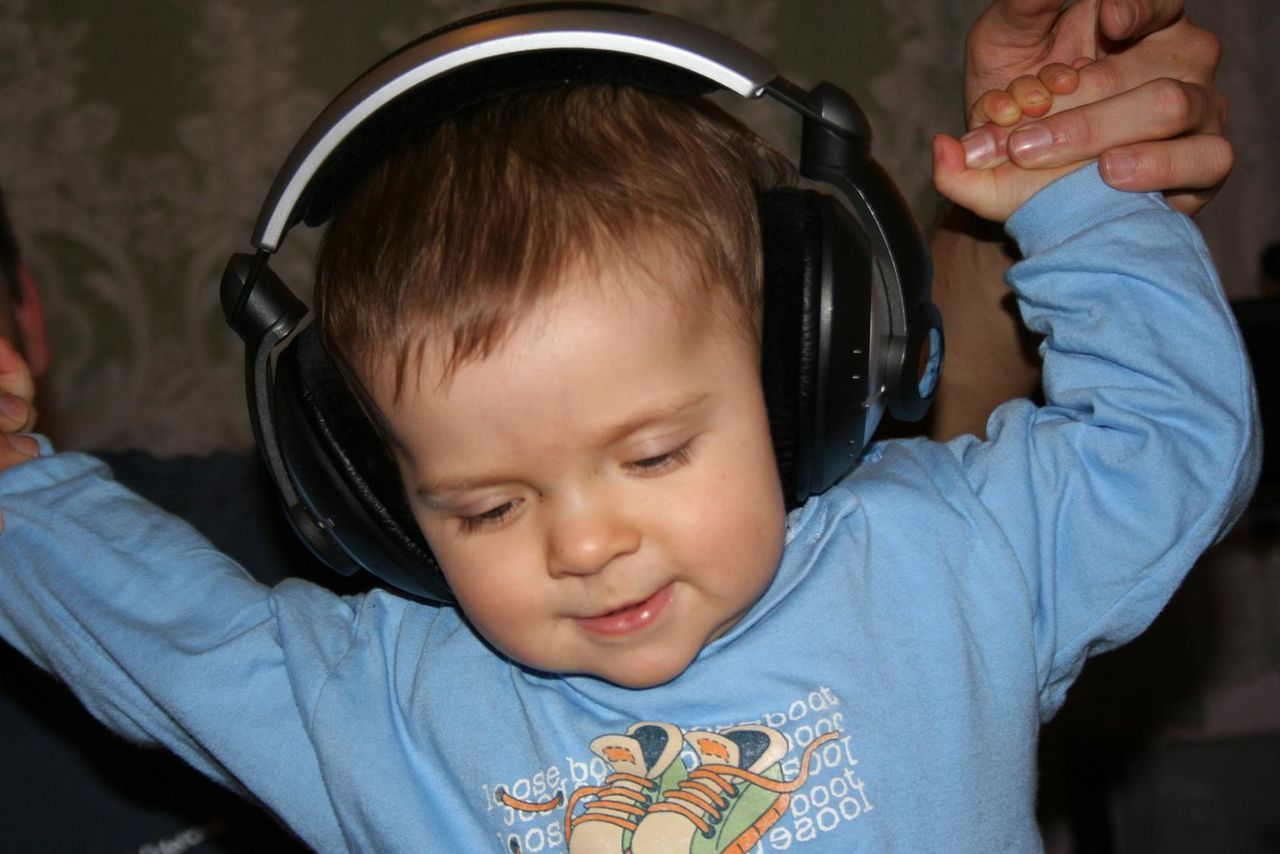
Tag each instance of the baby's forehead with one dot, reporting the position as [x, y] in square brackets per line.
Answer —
[590, 373]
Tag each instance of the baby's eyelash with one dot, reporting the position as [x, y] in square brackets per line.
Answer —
[471, 524]
[662, 462]
[655, 465]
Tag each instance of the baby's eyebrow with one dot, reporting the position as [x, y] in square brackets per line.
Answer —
[674, 409]
[435, 492]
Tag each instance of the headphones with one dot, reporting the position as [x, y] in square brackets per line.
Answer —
[849, 329]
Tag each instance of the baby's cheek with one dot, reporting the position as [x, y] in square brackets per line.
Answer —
[500, 615]
[751, 544]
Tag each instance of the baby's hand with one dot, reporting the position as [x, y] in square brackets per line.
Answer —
[1027, 97]
[975, 172]
[17, 413]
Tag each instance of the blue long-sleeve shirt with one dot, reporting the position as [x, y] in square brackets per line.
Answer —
[884, 694]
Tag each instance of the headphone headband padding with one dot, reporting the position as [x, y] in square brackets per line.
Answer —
[404, 119]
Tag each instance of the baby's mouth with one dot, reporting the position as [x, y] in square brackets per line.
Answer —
[629, 618]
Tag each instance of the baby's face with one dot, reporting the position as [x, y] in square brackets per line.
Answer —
[601, 491]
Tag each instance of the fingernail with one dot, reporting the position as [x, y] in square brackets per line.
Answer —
[1059, 76]
[13, 406]
[1119, 167]
[1036, 98]
[1007, 110]
[979, 148]
[1030, 142]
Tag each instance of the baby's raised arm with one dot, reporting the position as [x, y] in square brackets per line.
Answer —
[1147, 105]
[163, 639]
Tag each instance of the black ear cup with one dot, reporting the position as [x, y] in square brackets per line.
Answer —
[345, 475]
[909, 355]
[790, 232]
[816, 347]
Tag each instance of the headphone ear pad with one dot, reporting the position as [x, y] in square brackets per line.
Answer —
[339, 460]
[791, 244]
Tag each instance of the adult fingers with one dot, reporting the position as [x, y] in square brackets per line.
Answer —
[1123, 20]
[1160, 109]
[1189, 170]
[1182, 51]
[992, 194]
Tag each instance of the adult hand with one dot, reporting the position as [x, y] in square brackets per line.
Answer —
[1145, 104]
[1150, 109]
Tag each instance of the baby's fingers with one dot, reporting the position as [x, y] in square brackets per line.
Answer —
[1059, 78]
[996, 106]
[992, 193]
[1029, 96]
[1032, 96]
[974, 189]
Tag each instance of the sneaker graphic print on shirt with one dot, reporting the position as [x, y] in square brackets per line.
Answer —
[646, 767]
[727, 802]
[737, 784]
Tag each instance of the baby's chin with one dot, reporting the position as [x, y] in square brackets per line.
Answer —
[635, 673]
[640, 679]
[637, 668]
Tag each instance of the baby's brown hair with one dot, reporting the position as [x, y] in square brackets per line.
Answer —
[461, 231]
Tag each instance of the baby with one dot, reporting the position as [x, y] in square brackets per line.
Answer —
[552, 305]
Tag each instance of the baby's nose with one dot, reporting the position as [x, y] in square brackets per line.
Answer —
[585, 537]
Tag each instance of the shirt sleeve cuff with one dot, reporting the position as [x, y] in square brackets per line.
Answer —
[1074, 203]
